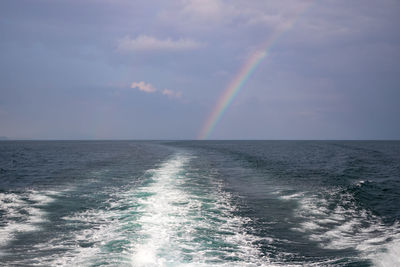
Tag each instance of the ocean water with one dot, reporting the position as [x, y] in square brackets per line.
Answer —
[199, 203]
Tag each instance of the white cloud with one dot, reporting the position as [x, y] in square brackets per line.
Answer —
[171, 93]
[149, 43]
[145, 87]
[148, 88]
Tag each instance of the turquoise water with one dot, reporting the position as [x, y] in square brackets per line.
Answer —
[200, 203]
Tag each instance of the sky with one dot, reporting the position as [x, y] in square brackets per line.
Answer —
[119, 69]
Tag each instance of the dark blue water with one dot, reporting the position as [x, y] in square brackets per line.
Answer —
[200, 203]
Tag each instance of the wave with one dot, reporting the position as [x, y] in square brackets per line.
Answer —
[22, 212]
[334, 220]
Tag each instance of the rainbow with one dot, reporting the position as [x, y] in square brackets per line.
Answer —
[242, 77]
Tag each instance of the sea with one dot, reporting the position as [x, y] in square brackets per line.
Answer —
[200, 203]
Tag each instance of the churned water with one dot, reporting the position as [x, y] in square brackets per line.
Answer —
[199, 203]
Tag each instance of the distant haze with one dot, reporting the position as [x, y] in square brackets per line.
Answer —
[156, 69]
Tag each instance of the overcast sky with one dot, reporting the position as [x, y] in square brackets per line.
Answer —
[119, 69]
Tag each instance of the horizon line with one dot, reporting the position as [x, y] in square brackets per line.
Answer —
[197, 140]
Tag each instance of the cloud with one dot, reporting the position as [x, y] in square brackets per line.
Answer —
[149, 43]
[204, 9]
[145, 87]
[148, 88]
[171, 93]
[231, 14]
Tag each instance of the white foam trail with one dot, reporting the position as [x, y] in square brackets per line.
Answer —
[173, 216]
[161, 218]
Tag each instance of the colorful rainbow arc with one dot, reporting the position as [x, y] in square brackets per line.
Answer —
[230, 93]
[241, 78]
